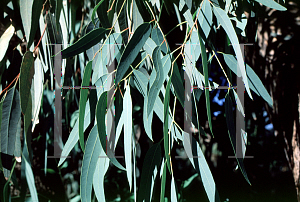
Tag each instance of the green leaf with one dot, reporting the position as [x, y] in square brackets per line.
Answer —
[94, 11]
[137, 19]
[89, 163]
[26, 12]
[224, 20]
[177, 83]
[84, 43]
[83, 99]
[166, 125]
[158, 82]
[272, 4]
[26, 75]
[4, 40]
[232, 133]
[36, 12]
[100, 117]
[151, 162]
[122, 19]
[205, 70]
[255, 83]
[163, 183]
[102, 14]
[127, 107]
[11, 114]
[187, 182]
[132, 49]
[58, 7]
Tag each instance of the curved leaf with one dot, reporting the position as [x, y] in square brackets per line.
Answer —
[232, 133]
[151, 162]
[132, 49]
[26, 11]
[158, 82]
[36, 12]
[224, 20]
[255, 83]
[26, 75]
[89, 163]
[94, 11]
[84, 43]
[83, 98]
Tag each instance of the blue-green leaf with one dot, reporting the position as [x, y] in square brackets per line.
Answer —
[166, 125]
[224, 20]
[158, 82]
[82, 102]
[26, 12]
[127, 107]
[89, 163]
[98, 179]
[205, 17]
[132, 49]
[272, 4]
[163, 183]
[255, 83]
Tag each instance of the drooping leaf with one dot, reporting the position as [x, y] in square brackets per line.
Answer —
[74, 137]
[4, 40]
[127, 107]
[98, 179]
[11, 114]
[173, 190]
[225, 22]
[232, 134]
[26, 75]
[26, 12]
[177, 83]
[132, 49]
[151, 162]
[83, 99]
[102, 14]
[100, 117]
[89, 163]
[94, 11]
[205, 17]
[158, 38]
[166, 125]
[202, 168]
[122, 19]
[158, 82]
[163, 183]
[255, 83]
[205, 71]
[84, 43]
[36, 12]
[272, 4]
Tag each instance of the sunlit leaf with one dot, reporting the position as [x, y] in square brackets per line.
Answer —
[272, 4]
[225, 22]
[4, 40]
[26, 12]
[127, 107]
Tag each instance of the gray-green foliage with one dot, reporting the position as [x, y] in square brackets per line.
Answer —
[127, 35]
